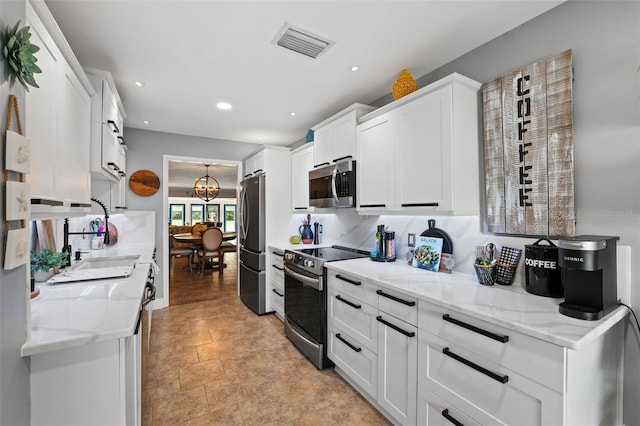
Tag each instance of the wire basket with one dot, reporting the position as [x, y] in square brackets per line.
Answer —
[507, 265]
[485, 273]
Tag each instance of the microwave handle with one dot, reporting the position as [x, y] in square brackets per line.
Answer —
[334, 192]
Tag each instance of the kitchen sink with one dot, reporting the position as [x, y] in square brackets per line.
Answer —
[97, 268]
[105, 262]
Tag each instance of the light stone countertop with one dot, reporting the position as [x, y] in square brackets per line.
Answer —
[507, 306]
[75, 314]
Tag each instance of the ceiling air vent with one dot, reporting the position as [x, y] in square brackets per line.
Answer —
[301, 41]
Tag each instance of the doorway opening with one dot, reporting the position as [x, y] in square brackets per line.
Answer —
[186, 214]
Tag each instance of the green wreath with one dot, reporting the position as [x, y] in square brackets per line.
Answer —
[19, 53]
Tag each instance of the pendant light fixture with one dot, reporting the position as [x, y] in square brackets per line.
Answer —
[206, 187]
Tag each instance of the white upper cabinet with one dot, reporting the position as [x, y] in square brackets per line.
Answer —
[57, 121]
[107, 160]
[431, 160]
[335, 138]
[301, 164]
[255, 164]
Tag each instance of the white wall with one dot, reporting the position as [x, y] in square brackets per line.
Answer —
[14, 287]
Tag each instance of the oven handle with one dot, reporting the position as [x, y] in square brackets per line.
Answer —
[315, 283]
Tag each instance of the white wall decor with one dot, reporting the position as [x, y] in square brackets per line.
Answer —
[528, 147]
[18, 203]
[18, 154]
[17, 248]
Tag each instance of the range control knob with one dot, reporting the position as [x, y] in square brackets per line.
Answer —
[309, 263]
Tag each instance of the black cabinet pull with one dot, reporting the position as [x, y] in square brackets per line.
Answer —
[300, 208]
[278, 254]
[278, 268]
[326, 163]
[113, 165]
[257, 171]
[247, 175]
[114, 125]
[45, 202]
[494, 376]
[277, 292]
[353, 305]
[342, 158]
[121, 140]
[80, 205]
[494, 336]
[373, 205]
[397, 299]
[395, 327]
[446, 415]
[419, 204]
[340, 277]
[355, 349]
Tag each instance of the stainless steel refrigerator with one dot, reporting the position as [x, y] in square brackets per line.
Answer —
[252, 243]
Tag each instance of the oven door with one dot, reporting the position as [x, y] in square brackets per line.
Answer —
[304, 301]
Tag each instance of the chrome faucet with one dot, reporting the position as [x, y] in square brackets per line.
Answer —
[66, 248]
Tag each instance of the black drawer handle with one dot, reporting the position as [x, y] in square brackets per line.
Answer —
[326, 163]
[300, 208]
[396, 328]
[114, 125]
[355, 349]
[494, 376]
[46, 202]
[498, 337]
[342, 158]
[113, 165]
[446, 415]
[340, 277]
[278, 268]
[420, 205]
[373, 205]
[278, 254]
[353, 305]
[277, 292]
[397, 299]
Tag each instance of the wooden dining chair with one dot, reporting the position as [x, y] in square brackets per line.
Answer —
[211, 240]
[227, 247]
[176, 250]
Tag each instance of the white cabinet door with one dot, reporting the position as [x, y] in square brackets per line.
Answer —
[397, 368]
[73, 178]
[301, 163]
[323, 145]
[344, 137]
[375, 159]
[40, 117]
[423, 147]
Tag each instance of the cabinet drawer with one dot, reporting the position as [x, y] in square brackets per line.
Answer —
[512, 399]
[355, 317]
[277, 299]
[353, 286]
[533, 358]
[399, 305]
[433, 411]
[358, 362]
[277, 275]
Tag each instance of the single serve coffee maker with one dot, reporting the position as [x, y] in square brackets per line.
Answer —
[589, 276]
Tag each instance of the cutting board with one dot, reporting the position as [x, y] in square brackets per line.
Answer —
[447, 243]
[144, 183]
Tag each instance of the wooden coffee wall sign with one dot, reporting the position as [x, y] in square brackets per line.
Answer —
[528, 149]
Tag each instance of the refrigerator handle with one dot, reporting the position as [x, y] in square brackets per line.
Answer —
[245, 217]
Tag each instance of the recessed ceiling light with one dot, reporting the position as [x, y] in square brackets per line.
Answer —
[224, 105]
[292, 113]
[146, 121]
[354, 68]
[139, 83]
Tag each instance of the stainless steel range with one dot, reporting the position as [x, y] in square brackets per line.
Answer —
[305, 300]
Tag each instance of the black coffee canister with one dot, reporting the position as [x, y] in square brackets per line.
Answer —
[542, 272]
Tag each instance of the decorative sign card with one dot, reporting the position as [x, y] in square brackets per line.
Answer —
[427, 253]
[528, 149]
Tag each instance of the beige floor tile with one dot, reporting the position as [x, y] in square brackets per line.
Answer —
[201, 373]
[180, 406]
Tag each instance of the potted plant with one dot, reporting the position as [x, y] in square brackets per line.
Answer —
[43, 263]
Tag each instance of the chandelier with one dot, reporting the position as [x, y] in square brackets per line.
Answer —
[206, 187]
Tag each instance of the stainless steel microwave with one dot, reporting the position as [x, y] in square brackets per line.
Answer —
[333, 186]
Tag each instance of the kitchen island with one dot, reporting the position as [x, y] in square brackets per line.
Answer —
[425, 346]
[85, 345]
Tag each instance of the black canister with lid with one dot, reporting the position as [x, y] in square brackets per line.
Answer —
[542, 272]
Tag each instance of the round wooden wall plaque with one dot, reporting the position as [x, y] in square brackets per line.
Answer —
[144, 183]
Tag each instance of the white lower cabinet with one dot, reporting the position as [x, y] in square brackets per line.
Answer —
[433, 411]
[355, 359]
[276, 282]
[94, 384]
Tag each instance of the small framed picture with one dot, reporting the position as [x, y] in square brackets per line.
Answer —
[18, 205]
[17, 248]
[18, 155]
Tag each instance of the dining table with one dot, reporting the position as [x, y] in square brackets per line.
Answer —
[196, 239]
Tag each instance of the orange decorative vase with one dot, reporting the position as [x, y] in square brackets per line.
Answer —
[404, 85]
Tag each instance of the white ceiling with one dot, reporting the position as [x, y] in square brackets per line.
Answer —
[193, 54]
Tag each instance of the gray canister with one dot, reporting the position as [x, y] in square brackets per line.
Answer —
[542, 272]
